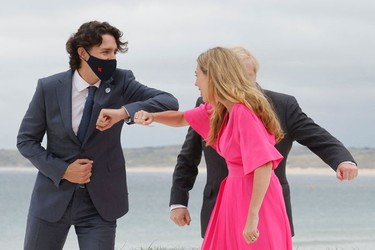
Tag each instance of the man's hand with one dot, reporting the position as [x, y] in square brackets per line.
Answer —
[180, 216]
[108, 117]
[346, 171]
[79, 171]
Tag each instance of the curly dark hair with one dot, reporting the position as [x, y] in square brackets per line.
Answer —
[89, 35]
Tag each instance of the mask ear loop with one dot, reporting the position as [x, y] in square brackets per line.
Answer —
[83, 56]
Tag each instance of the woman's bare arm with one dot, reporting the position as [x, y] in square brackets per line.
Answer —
[169, 118]
[262, 177]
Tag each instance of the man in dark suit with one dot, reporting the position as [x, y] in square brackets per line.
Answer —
[296, 125]
[82, 179]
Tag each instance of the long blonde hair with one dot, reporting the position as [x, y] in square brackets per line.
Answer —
[229, 81]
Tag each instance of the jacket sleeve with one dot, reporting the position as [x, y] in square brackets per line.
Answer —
[30, 136]
[140, 97]
[186, 169]
[306, 132]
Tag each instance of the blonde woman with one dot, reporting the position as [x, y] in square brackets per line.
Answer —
[239, 123]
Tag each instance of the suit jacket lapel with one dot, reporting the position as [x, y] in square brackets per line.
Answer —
[64, 98]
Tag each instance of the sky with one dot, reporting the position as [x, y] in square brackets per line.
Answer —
[322, 52]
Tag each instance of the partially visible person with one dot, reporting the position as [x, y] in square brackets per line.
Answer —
[239, 123]
[297, 127]
[81, 179]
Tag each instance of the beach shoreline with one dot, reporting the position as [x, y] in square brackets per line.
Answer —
[168, 169]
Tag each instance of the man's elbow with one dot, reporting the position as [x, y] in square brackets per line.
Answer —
[172, 103]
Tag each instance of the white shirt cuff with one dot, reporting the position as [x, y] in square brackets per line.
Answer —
[128, 119]
[174, 206]
[349, 162]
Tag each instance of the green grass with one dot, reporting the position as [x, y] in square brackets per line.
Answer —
[158, 248]
[162, 248]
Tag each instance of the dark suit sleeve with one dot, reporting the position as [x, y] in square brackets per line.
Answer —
[186, 169]
[30, 136]
[140, 97]
[306, 132]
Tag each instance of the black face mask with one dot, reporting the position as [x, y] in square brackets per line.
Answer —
[103, 69]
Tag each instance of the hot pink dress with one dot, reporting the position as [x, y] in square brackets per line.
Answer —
[245, 145]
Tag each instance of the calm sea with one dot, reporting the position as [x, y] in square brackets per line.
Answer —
[328, 214]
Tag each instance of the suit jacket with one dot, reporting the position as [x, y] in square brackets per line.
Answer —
[50, 113]
[296, 125]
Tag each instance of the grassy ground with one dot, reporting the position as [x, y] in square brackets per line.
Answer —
[160, 248]
[163, 248]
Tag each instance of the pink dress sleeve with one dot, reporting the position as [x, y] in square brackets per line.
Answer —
[199, 119]
[256, 144]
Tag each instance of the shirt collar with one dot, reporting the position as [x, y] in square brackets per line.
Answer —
[80, 84]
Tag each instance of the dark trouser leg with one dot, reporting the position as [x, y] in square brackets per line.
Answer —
[44, 235]
[93, 232]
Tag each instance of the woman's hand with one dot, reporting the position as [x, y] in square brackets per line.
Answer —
[144, 118]
[250, 232]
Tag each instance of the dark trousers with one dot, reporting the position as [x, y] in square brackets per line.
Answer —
[93, 232]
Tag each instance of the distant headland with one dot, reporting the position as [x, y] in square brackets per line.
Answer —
[165, 156]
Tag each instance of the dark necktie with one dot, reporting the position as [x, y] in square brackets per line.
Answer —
[86, 114]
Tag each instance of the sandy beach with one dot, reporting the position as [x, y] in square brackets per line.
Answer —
[290, 171]
[168, 169]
